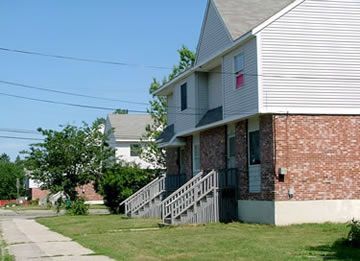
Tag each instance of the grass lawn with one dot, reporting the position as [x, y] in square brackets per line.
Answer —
[4, 256]
[125, 239]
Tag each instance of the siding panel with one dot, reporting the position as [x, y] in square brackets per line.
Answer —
[311, 59]
[214, 36]
[186, 119]
[215, 88]
[245, 100]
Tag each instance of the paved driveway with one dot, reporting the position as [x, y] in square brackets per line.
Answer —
[28, 240]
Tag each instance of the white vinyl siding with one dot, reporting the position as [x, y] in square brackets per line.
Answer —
[171, 109]
[311, 59]
[245, 100]
[215, 88]
[214, 37]
[202, 95]
[185, 119]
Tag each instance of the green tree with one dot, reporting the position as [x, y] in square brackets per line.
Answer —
[4, 157]
[121, 111]
[69, 158]
[9, 173]
[150, 150]
[120, 182]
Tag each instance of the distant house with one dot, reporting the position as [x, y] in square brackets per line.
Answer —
[87, 192]
[266, 124]
[125, 133]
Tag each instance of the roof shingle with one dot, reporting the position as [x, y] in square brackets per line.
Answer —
[129, 126]
[241, 16]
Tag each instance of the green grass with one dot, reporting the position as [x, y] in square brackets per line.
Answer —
[96, 206]
[4, 255]
[115, 236]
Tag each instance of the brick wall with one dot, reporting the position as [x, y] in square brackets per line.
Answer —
[172, 161]
[213, 149]
[37, 193]
[188, 157]
[322, 155]
[267, 163]
[88, 193]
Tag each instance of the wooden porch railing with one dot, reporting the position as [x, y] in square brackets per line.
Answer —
[187, 200]
[144, 196]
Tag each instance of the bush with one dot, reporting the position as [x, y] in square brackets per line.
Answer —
[354, 234]
[77, 208]
[120, 182]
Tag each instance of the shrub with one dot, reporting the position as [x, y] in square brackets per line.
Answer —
[78, 208]
[120, 182]
[354, 234]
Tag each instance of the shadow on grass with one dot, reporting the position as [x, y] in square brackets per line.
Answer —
[340, 250]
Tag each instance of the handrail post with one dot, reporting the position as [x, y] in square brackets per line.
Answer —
[216, 196]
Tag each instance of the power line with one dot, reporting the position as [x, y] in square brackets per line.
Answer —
[19, 138]
[10, 130]
[77, 94]
[78, 59]
[64, 103]
[101, 108]
[68, 93]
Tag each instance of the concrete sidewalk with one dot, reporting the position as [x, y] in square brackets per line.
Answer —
[28, 240]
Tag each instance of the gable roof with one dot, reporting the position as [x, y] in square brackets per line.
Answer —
[241, 16]
[253, 13]
[129, 126]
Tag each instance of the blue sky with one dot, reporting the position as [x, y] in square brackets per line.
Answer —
[140, 32]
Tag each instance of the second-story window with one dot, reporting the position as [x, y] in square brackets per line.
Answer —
[239, 62]
[183, 96]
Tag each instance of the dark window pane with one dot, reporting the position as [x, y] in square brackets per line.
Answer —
[254, 147]
[184, 96]
[134, 150]
[231, 146]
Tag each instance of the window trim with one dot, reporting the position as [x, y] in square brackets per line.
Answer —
[250, 163]
[240, 72]
[254, 126]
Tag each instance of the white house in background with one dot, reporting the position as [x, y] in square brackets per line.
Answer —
[126, 131]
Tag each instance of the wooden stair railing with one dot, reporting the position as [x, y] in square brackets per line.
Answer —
[189, 201]
[144, 196]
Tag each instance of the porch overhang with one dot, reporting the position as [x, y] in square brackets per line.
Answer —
[174, 143]
[180, 136]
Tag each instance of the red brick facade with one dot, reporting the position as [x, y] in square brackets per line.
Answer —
[267, 164]
[188, 157]
[172, 161]
[213, 149]
[88, 193]
[37, 193]
[321, 155]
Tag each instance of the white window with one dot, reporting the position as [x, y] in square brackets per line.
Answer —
[239, 66]
[196, 154]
